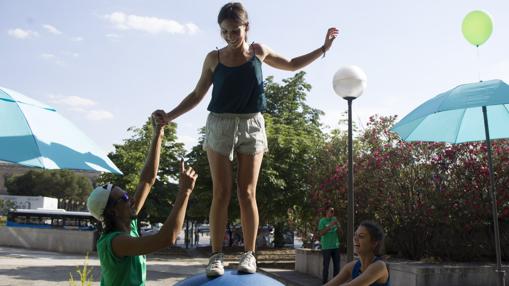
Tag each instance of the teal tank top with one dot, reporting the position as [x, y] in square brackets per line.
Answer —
[356, 271]
[238, 89]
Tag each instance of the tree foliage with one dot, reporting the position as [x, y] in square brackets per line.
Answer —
[130, 157]
[64, 184]
[295, 137]
[201, 198]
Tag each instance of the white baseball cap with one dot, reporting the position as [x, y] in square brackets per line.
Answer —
[98, 199]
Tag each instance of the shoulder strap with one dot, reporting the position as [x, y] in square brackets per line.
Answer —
[252, 46]
[356, 271]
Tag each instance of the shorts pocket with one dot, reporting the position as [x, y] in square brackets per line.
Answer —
[256, 125]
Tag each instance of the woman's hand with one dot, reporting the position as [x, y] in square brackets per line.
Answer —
[159, 120]
[187, 178]
[332, 34]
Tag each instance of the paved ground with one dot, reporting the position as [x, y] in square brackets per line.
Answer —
[41, 268]
[32, 267]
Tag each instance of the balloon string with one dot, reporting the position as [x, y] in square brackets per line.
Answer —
[478, 63]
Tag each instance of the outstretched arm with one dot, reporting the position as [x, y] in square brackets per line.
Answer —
[344, 275]
[149, 171]
[277, 61]
[373, 273]
[124, 245]
[199, 91]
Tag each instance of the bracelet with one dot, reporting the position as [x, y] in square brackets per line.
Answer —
[323, 50]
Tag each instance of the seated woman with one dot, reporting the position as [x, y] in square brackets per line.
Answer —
[369, 269]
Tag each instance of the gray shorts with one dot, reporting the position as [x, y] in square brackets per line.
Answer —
[227, 133]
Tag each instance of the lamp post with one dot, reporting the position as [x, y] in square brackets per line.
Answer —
[349, 83]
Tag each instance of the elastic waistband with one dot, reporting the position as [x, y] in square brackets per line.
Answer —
[235, 115]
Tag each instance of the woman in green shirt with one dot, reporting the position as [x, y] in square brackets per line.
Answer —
[120, 248]
[329, 241]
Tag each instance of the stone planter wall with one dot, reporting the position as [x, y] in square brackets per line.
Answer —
[412, 273]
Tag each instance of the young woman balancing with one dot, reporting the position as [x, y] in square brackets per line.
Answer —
[235, 126]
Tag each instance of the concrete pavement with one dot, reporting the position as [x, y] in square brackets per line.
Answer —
[20, 266]
[32, 267]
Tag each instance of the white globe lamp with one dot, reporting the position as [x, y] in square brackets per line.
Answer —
[349, 82]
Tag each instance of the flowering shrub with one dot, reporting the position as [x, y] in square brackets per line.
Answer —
[431, 198]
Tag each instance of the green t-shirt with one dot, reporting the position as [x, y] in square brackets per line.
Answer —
[329, 240]
[128, 270]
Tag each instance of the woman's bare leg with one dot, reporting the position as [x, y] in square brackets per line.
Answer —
[221, 172]
[247, 178]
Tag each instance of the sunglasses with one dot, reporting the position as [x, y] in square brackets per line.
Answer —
[112, 203]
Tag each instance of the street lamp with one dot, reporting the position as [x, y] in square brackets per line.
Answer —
[349, 82]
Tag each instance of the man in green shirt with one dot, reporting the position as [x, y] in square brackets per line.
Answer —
[120, 248]
[329, 242]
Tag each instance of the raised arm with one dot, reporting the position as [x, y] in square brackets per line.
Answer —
[278, 61]
[149, 172]
[199, 91]
[124, 245]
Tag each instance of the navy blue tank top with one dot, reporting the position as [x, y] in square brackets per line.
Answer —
[356, 271]
[238, 89]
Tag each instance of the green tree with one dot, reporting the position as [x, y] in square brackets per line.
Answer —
[295, 138]
[50, 183]
[199, 203]
[130, 156]
[332, 157]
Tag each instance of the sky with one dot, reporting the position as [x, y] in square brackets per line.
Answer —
[106, 65]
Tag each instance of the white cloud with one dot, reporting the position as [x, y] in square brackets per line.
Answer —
[53, 58]
[77, 39]
[192, 28]
[48, 56]
[72, 101]
[71, 54]
[78, 109]
[82, 106]
[151, 25]
[22, 34]
[99, 115]
[52, 29]
[113, 36]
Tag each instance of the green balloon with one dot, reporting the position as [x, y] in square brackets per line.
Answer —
[477, 27]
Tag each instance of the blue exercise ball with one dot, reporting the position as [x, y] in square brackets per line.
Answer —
[231, 278]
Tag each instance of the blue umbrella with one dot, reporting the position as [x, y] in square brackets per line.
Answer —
[33, 134]
[461, 115]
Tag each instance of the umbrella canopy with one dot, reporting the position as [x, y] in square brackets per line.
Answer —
[455, 116]
[469, 112]
[34, 134]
